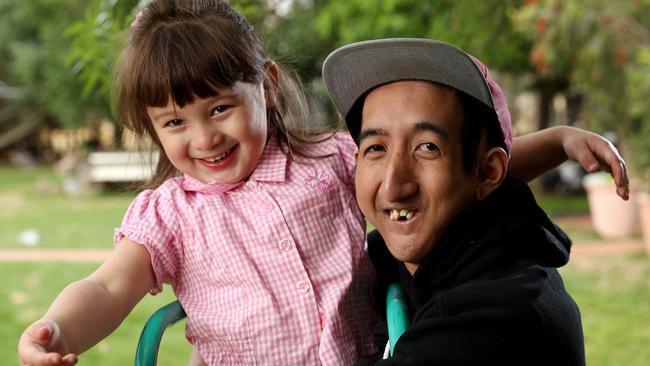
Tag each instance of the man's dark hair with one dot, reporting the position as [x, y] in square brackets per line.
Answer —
[477, 118]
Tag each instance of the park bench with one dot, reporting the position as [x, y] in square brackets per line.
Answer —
[120, 166]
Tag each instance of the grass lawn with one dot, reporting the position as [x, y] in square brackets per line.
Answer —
[27, 289]
[613, 293]
[32, 200]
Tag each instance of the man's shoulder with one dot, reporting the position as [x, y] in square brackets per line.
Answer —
[525, 291]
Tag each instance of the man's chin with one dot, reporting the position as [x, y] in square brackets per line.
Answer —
[407, 248]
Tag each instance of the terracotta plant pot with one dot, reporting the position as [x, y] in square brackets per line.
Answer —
[610, 215]
[644, 218]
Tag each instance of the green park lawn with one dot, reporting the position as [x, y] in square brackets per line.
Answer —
[27, 289]
[613, 292]
[31, 200]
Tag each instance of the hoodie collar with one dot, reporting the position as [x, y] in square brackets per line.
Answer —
[507, 224]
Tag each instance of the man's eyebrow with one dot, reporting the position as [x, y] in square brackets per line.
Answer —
[369, 132]
[432, 127]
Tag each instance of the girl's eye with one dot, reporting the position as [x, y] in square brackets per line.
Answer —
[428, 147]
[220, 109]
[174, 123]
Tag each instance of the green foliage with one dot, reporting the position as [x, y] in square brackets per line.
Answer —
[100, 35]
[61, 51]
[602, 49]
[96, 39]
[482, 28]
[34, 58]
[638, 88]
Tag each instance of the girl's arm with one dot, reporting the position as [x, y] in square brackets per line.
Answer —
[86, 311]
[538, 152]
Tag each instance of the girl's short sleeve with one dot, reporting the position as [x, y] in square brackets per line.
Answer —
[151, 220]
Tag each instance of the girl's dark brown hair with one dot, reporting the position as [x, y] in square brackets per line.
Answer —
[186, 49]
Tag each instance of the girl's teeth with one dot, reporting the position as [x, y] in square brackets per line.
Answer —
[219, 158]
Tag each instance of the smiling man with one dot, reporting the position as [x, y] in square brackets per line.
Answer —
[474, 253]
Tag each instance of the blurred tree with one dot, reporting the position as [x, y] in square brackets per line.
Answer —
[584, 47]
[638, 92]
[95, 40]
[590, 47]
[33, 58]
[287, 29]
[482, 28]
[601, 51]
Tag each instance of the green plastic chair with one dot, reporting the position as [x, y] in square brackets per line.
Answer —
[397, 315]
[147, 352]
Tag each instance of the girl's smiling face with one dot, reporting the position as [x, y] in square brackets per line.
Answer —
[215, 139]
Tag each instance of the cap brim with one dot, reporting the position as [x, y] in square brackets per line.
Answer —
[353, 70]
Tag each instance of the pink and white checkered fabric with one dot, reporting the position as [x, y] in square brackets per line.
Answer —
[272, 271]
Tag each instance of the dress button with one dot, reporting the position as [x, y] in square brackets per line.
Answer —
[303, 287]
[285, 245]
[269, 207]
[251, 185]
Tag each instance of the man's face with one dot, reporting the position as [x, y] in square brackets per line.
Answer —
[410, 180]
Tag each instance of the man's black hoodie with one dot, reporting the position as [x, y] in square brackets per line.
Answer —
[489, 292]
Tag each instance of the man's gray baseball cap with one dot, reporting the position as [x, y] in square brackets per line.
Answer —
[354, 70]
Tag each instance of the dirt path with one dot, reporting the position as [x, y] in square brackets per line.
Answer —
[54, 255]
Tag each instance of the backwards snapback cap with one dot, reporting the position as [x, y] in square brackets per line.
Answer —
[352, 71]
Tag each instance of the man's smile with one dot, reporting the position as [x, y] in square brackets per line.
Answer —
[400, 214]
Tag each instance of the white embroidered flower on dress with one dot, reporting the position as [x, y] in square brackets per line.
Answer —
[319, 181]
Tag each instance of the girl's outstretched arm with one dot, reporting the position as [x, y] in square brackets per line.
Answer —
[86, 311]
[538, 152]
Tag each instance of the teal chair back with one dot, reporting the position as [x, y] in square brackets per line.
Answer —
[147, 352]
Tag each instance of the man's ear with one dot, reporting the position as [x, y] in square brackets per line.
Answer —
[491, 169]
[271, 83]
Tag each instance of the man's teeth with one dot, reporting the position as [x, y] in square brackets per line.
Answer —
[400, 215]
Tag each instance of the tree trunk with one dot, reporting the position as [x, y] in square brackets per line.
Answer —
[546, 95]
[574, 103]
[548, 88]
[23, 129]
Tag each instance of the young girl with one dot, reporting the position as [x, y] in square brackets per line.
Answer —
[252, 216]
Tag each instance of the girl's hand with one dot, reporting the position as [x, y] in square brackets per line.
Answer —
[595, 153]
[41, 344]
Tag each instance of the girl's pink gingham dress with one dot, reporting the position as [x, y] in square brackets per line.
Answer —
[271, 271]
